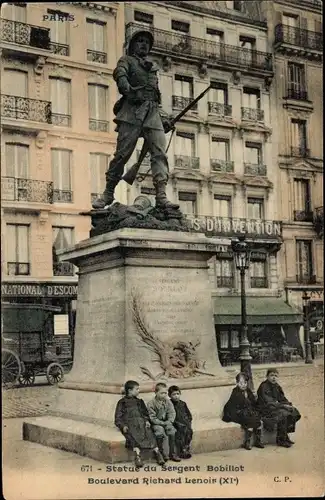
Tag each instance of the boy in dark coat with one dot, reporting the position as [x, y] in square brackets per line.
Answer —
[241, 409]
[182, 422]
[275, 409]
[132, 418]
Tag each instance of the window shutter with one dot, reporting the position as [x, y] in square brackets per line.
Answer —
[303, 23]
[318, 26]
[22, 243]
[10, 160]
[55, 168]
[11, 242]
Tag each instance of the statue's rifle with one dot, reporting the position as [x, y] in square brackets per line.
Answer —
[131, 174]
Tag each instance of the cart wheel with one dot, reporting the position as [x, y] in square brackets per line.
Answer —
[10, 366]
[54, 373]
[27, 377]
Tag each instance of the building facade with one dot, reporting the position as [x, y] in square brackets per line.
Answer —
[295, 32]
[57, 95]
[223, 155]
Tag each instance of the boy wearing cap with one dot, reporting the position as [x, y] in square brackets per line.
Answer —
[275, 408]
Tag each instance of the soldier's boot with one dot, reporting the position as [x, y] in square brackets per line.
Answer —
[107, 197]
[258, 438]
[161, 198]
[248, 440]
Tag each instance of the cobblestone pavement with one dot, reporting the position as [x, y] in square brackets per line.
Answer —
[35, 472]
[28, 401]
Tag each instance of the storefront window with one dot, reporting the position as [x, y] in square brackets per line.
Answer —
[234, 338]
[224, 340]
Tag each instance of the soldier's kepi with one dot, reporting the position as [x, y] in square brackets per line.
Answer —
[139, 114]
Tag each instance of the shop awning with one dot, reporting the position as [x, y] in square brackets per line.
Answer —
[260, 311]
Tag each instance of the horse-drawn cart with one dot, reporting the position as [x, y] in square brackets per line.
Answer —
[27, 354]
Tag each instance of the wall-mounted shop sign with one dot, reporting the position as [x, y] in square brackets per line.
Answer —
[230, 225]
[39, 290]
[316, 295]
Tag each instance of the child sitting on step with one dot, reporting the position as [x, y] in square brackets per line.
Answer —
[132, 418]
[182, 422]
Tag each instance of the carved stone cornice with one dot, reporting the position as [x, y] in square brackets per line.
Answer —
[255, 181]
[110, 9]
[224, 178]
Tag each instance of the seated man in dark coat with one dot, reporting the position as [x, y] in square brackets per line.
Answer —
[275, 409]
[241, 409]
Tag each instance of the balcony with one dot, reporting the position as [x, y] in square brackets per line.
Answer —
[259, 282]
[295, 41]
[226, 57]
[297, 94]
[26, 190]
[60, 49]
[225, 281]
[23, 108]
[303, 216]
[220, 109]
[63, 269]
[300, 151]
[306, 279]
[191, 162]
[98, 125]
[221, 165]
[252, 114]
[62, 196]
[95, 56]
[319, 221]
[25, 39]
[18, 268]
[255, 169]
[180, 102]
[61, 120]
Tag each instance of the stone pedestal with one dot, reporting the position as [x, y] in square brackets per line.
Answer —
[144, 312]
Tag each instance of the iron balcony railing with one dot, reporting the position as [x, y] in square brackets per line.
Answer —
[180, 102]
[299, 37]
[306, 279]
[259, 282]
[191, 162]
[17, 189]
[25, 34]
[63, 269]
[255, 169]
[303, 216]
[98, 125]
[254, 114]
[18, 268]
[225, 281]
[297, 94]
[219, 109]
[62, 196]
[61, 120]
[96, 56]
[221, 165]
[300, 151]
[23, 108]
[60, 49]
[319, 221]
[184, 45]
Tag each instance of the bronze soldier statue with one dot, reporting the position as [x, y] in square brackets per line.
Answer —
[139, 114]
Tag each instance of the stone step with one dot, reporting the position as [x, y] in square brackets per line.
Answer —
[107, 444]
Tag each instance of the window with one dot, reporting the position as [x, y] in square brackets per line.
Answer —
[248, 52]
[216, 42]
[234, 338]
[215, 36]
[251, 98]
[224, 339]
[14, 12]
[61, 172]
[290, 21]
[96, 36]
[222, 206]
[296, 81]
[218, 93]
[150, 193]
[143, 17]
[299, 138]
[180, 26]
[225, 273]
[62, 238]
[302, 200]
[247, 43]
[184, 144]
[258, 274]
[15, 83]
[187, 203]
[17, 160]
[253, 153]
[98, 166]
[183, 86]
[59, 29]
[220, 149]
[18, 249]
[61, 101]
[97, 98]
[255, 208]
[304, 260]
